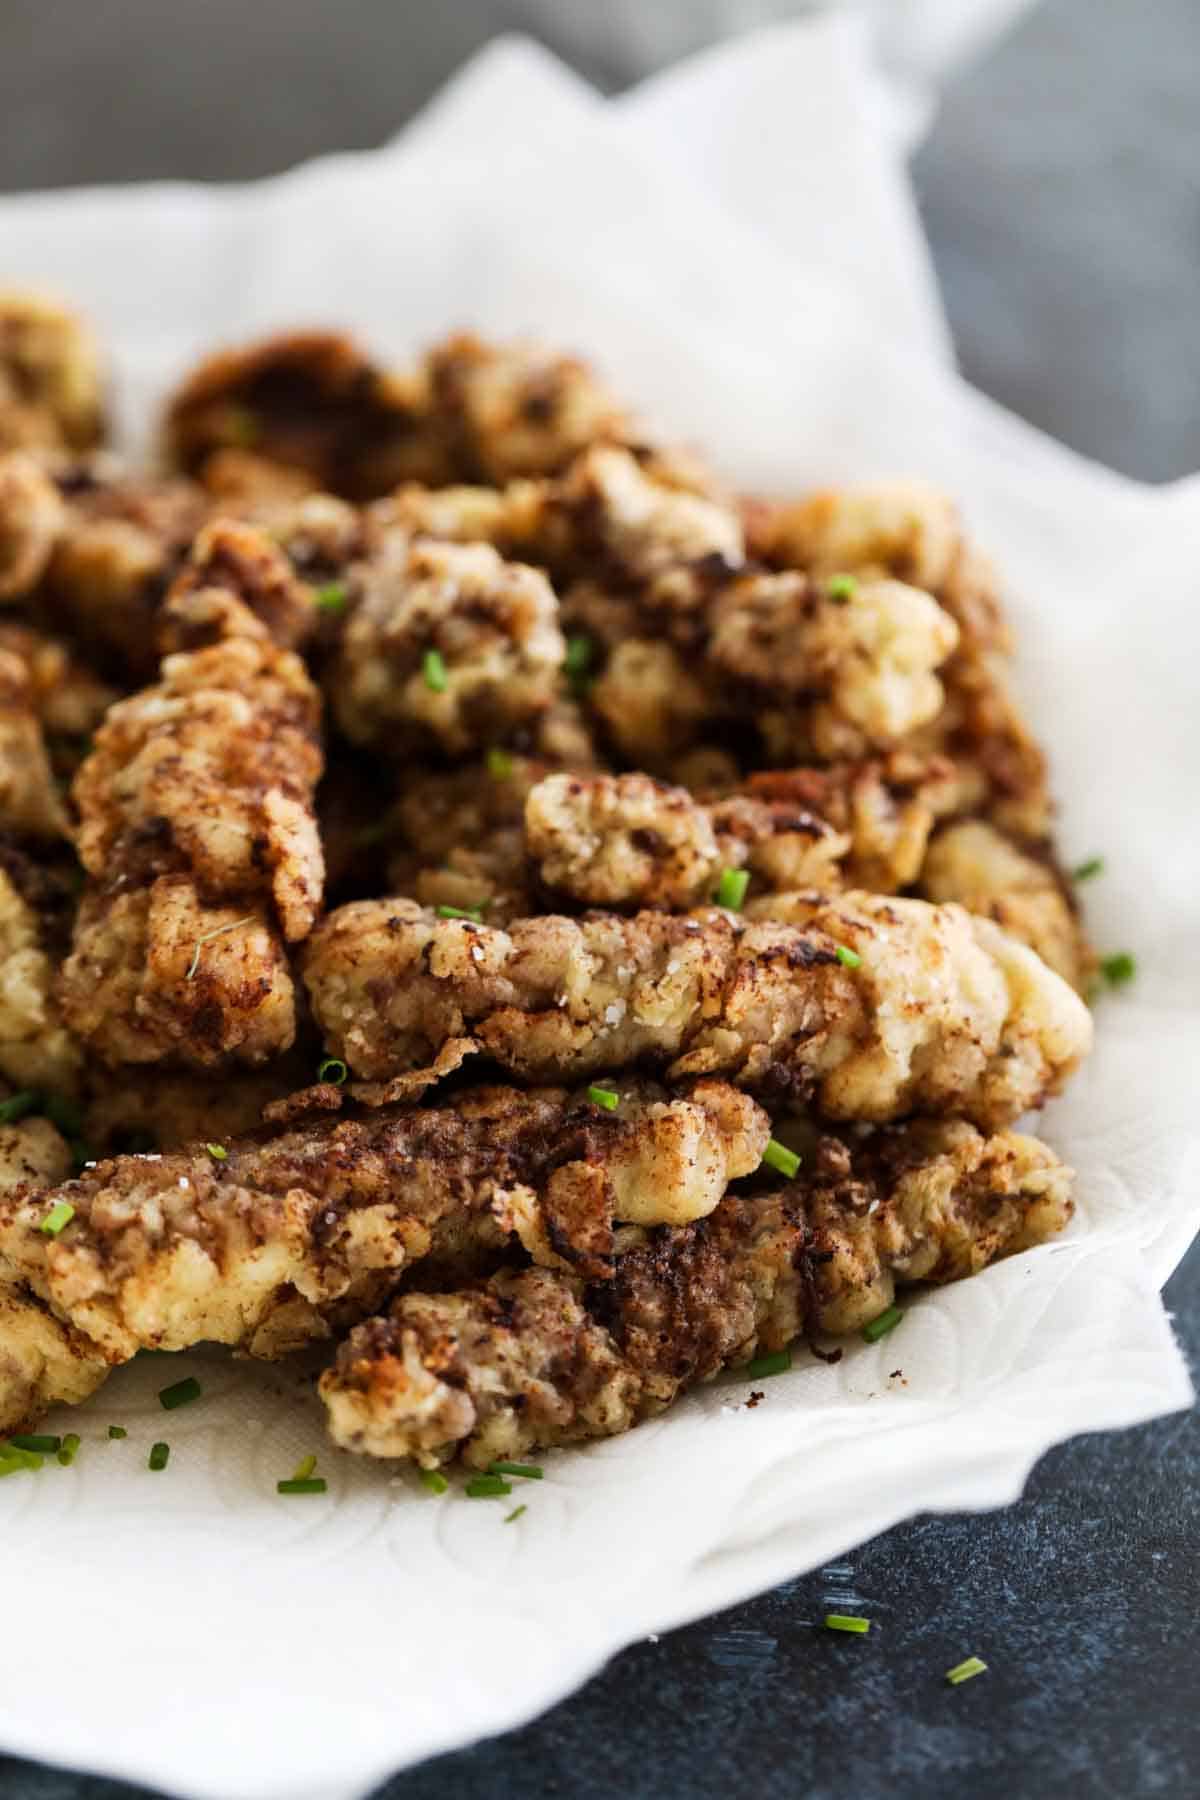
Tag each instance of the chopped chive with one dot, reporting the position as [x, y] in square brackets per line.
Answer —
[841, 587]
[434, 1480]
[332, 1069]
[473, 913]
[777, 1156]
[58, 1218]
[847, 1622]
[117, 1431]
[579, 654]
[304, 1468]
[64, 1114]
[180, 1393]
[40, 1444]
[309, 1484]
[70, 1449]
[850, 959]
[1085, 871]
[605, 1097]
[1118, 968]
[515, 1513]
[218, 1152]
[499, 764]
[777, 1363]
[527, 1471]
[433, 667]
[206, 937]
[487, 1487]
[731, 889]
[963, 1671]
[887, 1321]
[17, 1106]
[332, 597]
[12, 1460]
[160, 1455]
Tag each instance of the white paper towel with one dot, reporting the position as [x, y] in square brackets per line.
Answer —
[193, 1630]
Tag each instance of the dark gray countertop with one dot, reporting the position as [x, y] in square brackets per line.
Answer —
[1060, 192]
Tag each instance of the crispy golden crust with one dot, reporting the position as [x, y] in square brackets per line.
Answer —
[50, 384]
[211, 771]
[32, 518]
[973, 863]
[310, 401]
[628, 841]
[36, 1050]
[537, 1359]
[30, 803]
[123, 541]
[281, 1239]
[156, 973]
[238, 559]
[493, 625]
[945, 1014]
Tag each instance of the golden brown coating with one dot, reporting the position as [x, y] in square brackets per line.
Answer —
[50, 380]
[67, 694]
[630, 841]
[490, 625]
[612, 515]
[32, 518]
[30, 803]
[157, 973]
[36, 1050]
[242, 560]
[310, 401]
[211, 771]
[123, 541]
[125, 1112]
[944, 1013]
[973, 863]
[505, 410]
[837, 674]
[271, 1242]
[536, 1359]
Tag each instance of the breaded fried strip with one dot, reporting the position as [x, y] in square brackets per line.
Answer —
[50, 383]
[975, 864]
[42, 1360]
[30, 803]
[211, 771]
[630, 841]
[532, 1360]
[32, 517]
[944, 1013]
[36, 1050]
[280, 1238]
[449, 645]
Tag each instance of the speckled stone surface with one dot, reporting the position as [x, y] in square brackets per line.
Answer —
[1060, 192]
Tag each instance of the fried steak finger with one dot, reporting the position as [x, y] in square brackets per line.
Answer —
[273, 1241]
[536, 1359]
[873, 1007]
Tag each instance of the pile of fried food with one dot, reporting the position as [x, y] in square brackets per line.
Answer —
[478, 895]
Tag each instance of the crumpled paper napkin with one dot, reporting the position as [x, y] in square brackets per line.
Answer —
[740, 256]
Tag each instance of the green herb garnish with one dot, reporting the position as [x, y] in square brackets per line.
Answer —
[887, 1321]
[310, 1484]
[777, 1363]
[434, 1480]
[206, 937]
[841, 587]
[731, 889]
[58, 1218]
[850, 959]
[1086, 871]
[332, 597]
[515, 1513]
[433, 667]
[332, 1069]
[527, 1471]
[777, 1156]
[605, 1097]
[160, 1455]
[70, 1449]
[487, 1487]
[963, 1671]
[218, 1152]
[1118, 968]
[117, 1431]
[180, 1393]
[847, 1622]
[499, 764]
[39, 1443]
[474, 914]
